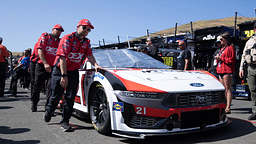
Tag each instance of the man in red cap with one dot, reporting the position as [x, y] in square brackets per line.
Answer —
[42, 61]
[72, 50]
[3, 54]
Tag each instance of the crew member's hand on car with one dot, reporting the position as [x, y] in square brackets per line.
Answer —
[97, 67]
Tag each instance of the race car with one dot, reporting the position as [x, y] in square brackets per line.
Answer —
[136, 96]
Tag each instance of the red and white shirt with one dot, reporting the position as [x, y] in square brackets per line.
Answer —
[49, 46]
[74, 49]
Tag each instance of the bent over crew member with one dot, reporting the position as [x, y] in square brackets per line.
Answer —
[46, 48]
[73, 48]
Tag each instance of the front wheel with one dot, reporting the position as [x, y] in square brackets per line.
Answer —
[99, 110]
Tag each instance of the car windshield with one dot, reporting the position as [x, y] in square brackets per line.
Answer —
[124, 58]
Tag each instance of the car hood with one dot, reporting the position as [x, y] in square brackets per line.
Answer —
[166, 80]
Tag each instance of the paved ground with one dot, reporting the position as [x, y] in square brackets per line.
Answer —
[18, 125]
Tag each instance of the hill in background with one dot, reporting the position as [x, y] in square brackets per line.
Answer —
[228, 22]
[15, 54]
[186, 28]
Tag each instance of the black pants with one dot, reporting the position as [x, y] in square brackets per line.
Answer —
[18, 73]
[41, 75]
[32, 75]
[26, 80]
[2, 78]
[58, 91]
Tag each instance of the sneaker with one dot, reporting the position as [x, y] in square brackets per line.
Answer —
[66, 127]
[47, 116]
[33, 107]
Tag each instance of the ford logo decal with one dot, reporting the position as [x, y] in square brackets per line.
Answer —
[196, 85]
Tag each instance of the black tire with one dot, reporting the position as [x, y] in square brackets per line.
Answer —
[99, 110]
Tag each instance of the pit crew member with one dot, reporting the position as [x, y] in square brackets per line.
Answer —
[73, 48]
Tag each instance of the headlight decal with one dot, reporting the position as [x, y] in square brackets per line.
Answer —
[134, 86]
[113, 80]
[137, 94]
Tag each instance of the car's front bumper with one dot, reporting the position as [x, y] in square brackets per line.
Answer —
[163, 132]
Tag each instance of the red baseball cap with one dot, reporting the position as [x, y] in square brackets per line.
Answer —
[58, 26]
[85, 22]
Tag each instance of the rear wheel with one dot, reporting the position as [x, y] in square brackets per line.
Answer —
[99, 110]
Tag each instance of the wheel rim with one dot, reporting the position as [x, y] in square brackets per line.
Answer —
[99, 107]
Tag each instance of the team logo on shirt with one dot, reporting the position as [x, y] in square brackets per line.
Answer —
[75, 57]
[51, 50]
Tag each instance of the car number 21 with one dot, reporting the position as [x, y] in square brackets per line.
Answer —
[141, 110]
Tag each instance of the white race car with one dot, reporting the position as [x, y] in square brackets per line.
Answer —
[137, 96]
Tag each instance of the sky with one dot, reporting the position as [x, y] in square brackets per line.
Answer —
[23, 21]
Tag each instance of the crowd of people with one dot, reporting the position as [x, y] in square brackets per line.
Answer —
[54, 62]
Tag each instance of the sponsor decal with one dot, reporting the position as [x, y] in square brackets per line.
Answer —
[209, 37]
[118, 106]
[196, 84]
[75, 56]
[51, 50]
[99, 76]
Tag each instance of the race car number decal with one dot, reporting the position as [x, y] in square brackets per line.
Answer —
[141, 110]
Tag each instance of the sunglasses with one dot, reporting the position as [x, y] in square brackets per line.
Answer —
[59, 29]
[85, 28]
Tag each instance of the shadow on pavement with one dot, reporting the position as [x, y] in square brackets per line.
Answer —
[241, 110]
[7, 130]
[5, 107]
[5, 141]
[237, 129]
[7, 99]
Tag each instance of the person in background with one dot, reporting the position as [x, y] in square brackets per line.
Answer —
[226, 59]
[214, 61]
[27, 75]
[184, 59]
[15, 64]
[22, 82]
[143, 50]
[20, 71]
[46, 46]
[72, 50]
[3, 54]
[248, 55]
[152, 50]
